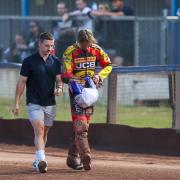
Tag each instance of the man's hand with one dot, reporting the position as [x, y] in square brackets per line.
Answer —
[15, 110]
[58, 91]
[59, 86]
[65, 17]
[19, 90]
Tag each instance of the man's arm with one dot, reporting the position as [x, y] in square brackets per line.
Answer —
[59, 85]
[112, 14]
[19, 91]
[105, 62]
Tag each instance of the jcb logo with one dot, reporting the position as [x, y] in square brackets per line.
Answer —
[85, 65]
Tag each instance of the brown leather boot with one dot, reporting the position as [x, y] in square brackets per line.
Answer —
[81, 137]
[86, 160]
[73, 163]
[72, 159]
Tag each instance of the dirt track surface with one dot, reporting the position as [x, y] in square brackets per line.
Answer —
[15, 163]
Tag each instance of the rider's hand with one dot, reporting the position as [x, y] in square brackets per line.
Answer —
[96, 79]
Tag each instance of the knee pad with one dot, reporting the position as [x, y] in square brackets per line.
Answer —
[80, 127]
[81, 136]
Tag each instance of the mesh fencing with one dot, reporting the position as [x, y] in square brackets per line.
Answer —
[143, 100]
[129, 40]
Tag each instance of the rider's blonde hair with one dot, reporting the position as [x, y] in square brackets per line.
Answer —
[86, 35]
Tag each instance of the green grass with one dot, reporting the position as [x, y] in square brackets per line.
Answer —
[142, 116]
[136, 116]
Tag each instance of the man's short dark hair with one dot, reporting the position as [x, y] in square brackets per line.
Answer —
[85, 1]
[62, 2]
[45, 36]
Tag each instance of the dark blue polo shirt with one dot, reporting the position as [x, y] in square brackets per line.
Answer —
[126, 10]
[41, 79]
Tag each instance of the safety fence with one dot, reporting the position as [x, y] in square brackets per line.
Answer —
[143, 96]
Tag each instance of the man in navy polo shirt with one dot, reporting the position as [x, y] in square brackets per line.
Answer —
[120, 9]
[40, 73]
